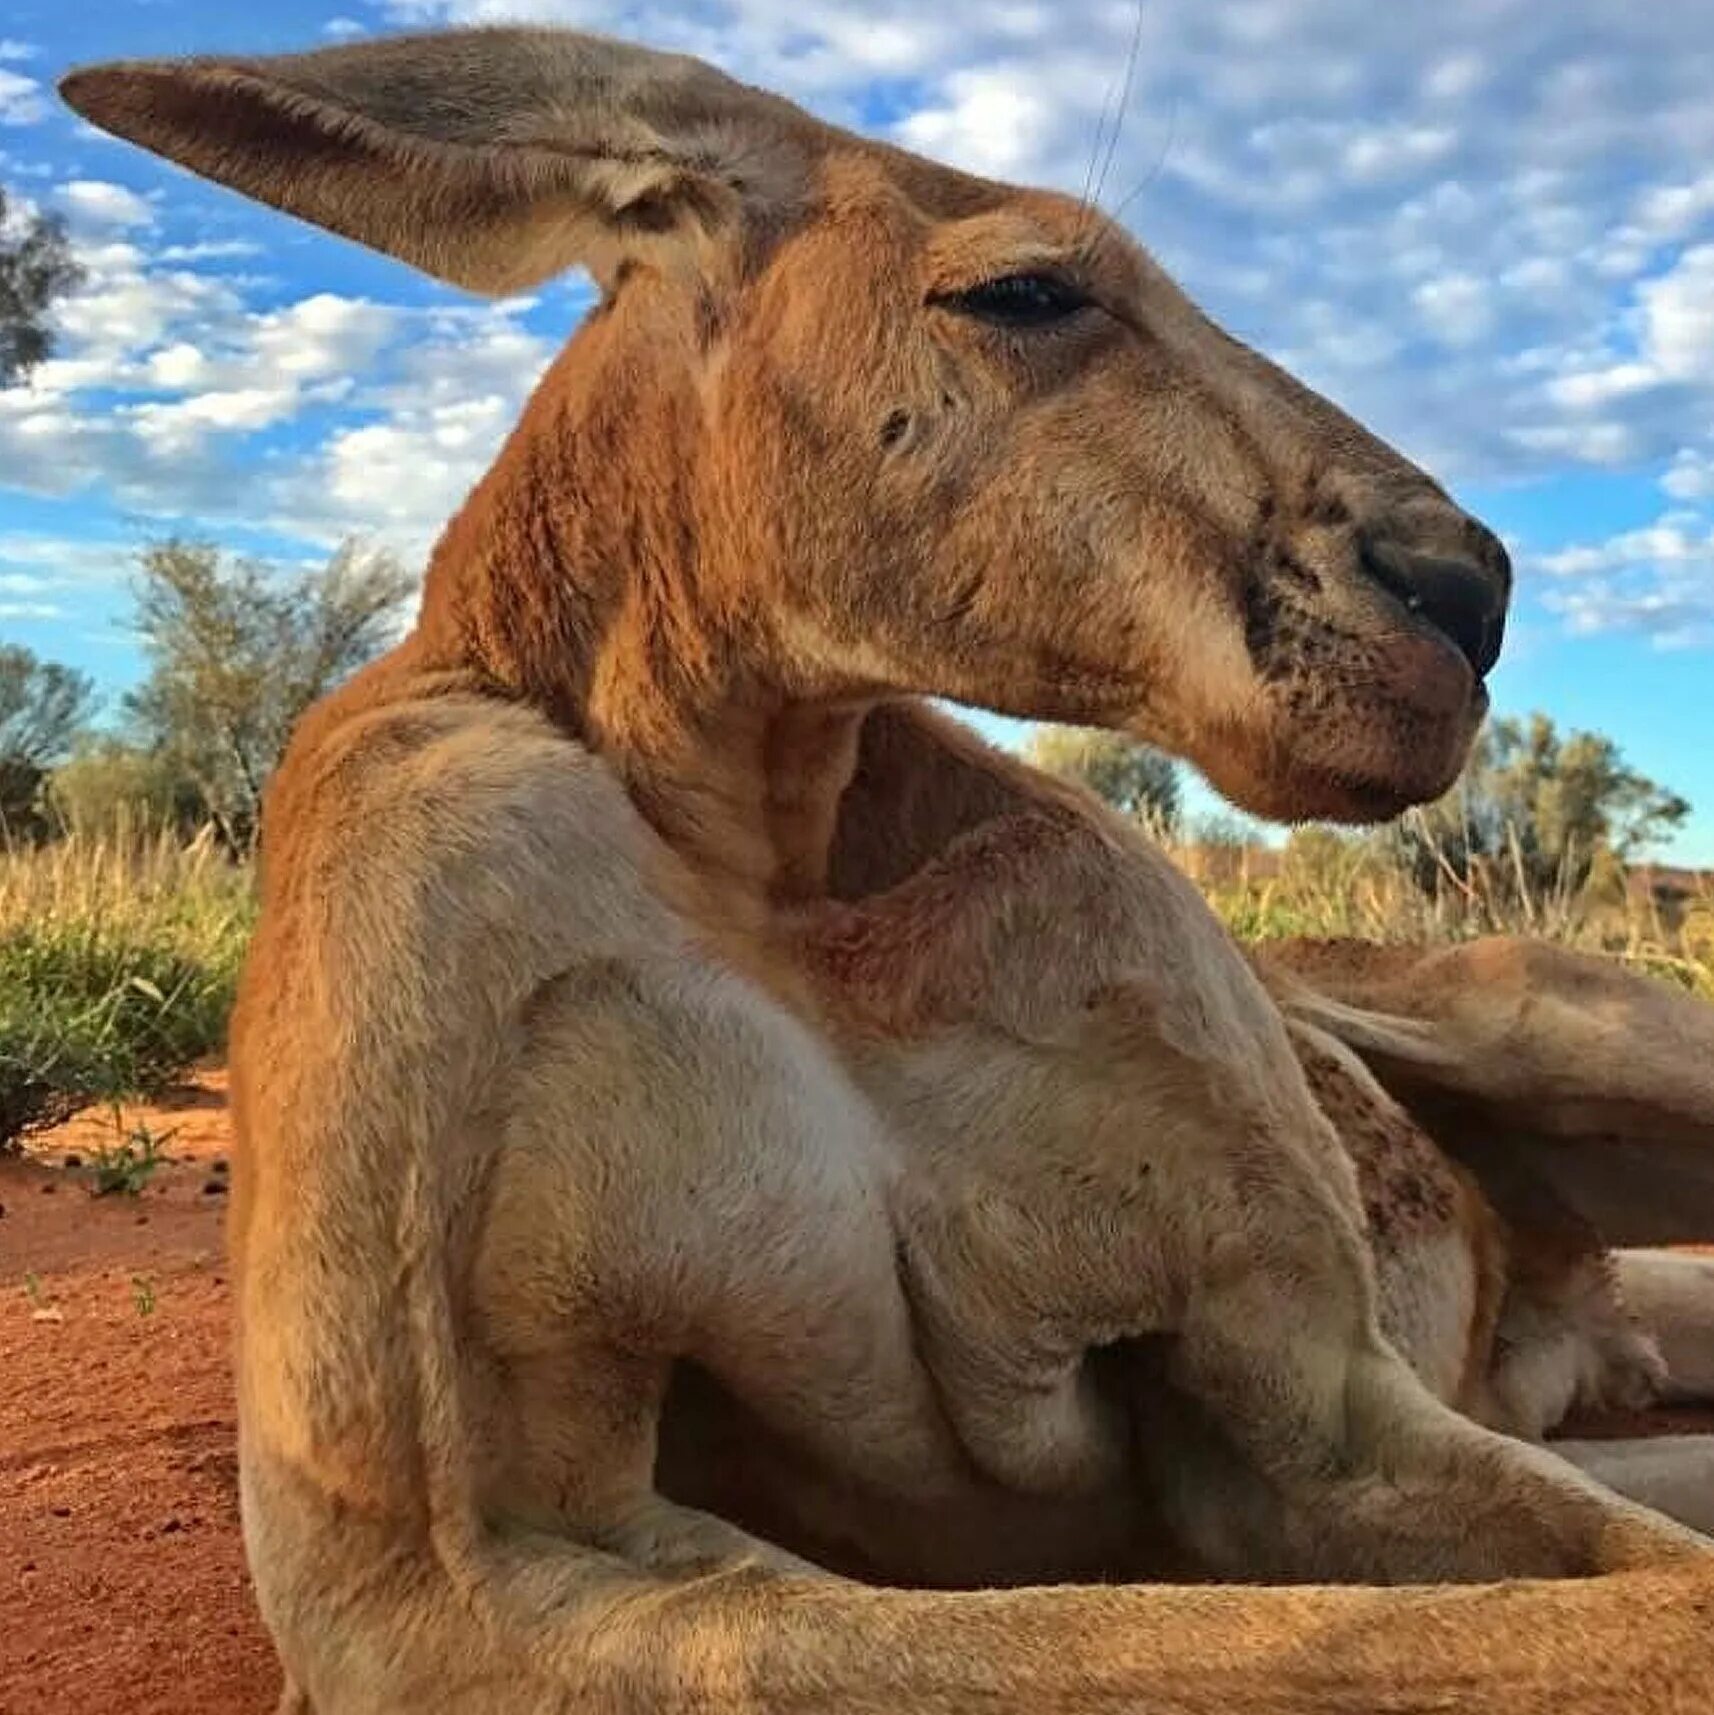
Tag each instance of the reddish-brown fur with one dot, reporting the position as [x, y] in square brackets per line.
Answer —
[646, 982]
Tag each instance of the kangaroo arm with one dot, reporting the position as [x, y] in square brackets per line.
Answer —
[560, 1627]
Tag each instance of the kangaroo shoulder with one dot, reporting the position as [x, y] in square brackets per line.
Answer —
[447, 851]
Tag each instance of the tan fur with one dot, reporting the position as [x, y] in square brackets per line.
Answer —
[1576, 1097]
[1672, 1295]
[648, 1097]
[1558, 1064]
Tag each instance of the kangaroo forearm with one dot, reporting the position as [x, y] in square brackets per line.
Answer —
[741, 1643]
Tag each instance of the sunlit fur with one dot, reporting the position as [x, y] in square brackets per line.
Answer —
[675, 1065]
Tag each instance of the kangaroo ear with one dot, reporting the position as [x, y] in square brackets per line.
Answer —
[489, 158]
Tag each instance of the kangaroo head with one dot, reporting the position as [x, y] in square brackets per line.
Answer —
[851, 424]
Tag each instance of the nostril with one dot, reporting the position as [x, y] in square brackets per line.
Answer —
[1490, 553]
[1462, 599]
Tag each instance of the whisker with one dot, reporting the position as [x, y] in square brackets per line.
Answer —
[1086, 199]
[1131, 60]
[1158, 168]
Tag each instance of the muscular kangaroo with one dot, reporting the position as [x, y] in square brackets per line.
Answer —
[575, 1145]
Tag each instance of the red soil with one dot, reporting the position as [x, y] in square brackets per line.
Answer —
[122, 1579]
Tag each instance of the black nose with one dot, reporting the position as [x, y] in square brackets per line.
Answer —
[1463, 599]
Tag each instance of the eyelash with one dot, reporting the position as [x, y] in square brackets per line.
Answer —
[1018, 300]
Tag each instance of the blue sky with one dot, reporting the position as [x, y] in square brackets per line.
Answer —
[1486, 226]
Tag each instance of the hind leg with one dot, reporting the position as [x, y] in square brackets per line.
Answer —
[1674, 1474]
[1671, 1295]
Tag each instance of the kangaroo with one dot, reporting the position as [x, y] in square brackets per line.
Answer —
[583, 1140]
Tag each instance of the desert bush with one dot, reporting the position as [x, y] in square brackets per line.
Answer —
[119, 948]
[43, 709]
[237, 650]
[118, 961]
[36, 268]
[1354, 887]
[110, 788]
[1135, 778]
[1537, 815]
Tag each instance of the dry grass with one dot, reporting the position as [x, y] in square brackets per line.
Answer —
[118, 960]
[133, 881]
[119, 954]
[1323, 886]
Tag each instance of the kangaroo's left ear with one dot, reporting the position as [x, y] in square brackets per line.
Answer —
[489, 158]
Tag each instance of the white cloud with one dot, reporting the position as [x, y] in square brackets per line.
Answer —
[1671, 318]
[22, 100]
[1691, 476]
[1675, 210]
[209, 250]
[1595, 387]
[1484, 227]
[183, 425]
[995, 122]
[11, 49]
[1655, 581]
[1670, 619]
[162, 372]
[165, 373]
[1458, 308]
[178, 367]
[127, 306]
[46, 577]
[96, 206]
[317, 337]
[1391, 152]
[1603, 444]
[36, 564]
[1678, 312]
[1665, 543]
[1455, 78]
[435, 426]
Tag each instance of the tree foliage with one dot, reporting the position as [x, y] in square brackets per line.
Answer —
[43, 707]
[238, 650]
[1538, 810]
[110, 787]
[1136, 779]
[36, 267]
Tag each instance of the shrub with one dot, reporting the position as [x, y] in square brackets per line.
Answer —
[110, 789]
[85, 1017]
[118, 961]
[1136, 779]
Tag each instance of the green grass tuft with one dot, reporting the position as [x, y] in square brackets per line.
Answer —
[118, 962]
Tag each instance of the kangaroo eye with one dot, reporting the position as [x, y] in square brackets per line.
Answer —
[1018, 300]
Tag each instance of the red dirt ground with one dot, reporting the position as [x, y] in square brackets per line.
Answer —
[121, 1574]
[122, 1579]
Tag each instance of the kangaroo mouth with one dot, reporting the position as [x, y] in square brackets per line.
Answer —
[1351, 731]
